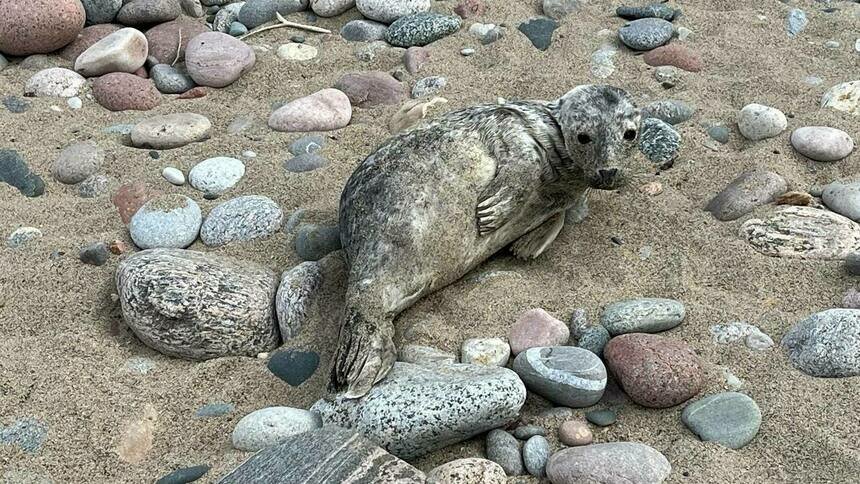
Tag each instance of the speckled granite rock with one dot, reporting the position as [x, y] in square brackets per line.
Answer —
[421, 29]
[241, 219]
[826, 344]
[644, 315]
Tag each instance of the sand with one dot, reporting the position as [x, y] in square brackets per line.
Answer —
[64, 347]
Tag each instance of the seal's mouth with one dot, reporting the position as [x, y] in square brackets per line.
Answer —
[607, 179]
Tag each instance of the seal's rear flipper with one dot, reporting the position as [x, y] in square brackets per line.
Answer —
[365, 355]
[534, 243]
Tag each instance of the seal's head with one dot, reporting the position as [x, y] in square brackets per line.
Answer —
[600, 125]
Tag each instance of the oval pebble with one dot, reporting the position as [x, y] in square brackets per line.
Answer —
[324, 110]
[730, 419]
[602, 418]
[120, 91]
[536, 452]
[269, 426]
[574, 433]
[168, 221]
[363, 31]
[173, 175]
[566, 375]
[241, 219]
[331, 8]
[645, 315]
[646, 33]
[21, 236]
[485, 351]
[421, 29]
[306, 162]
[170, 131]
[216, 175]
[616, 462]
[77, 162]
[257, 12]
[170, 80]
[843, 198]
[822, 143]
[388, 11]
[525, 432]
[826, 344]
[184, 475]
[40, 26]
[55, 82]
[757, 122]
[746, 192]
[504, 449]
[468, 471]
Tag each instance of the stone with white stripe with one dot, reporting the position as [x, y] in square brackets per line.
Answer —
[566, 375]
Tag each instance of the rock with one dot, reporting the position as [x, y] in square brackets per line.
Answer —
[601, 418]
[646, 33]
[22, 236]
[36, 62]
[843, 97]
[193, 305]
[237, 29]
[420, 29]
[470, 8]
[671, 111]
[363, 31]
[746, 192]
[241, 219]
[95, 254]
[226, 17]
[503, 449]
[297, 52]
[388, 11]
[485, 351]
[170, 131]
[594, 339]
[753, 337]
[324, 110]
[15, 104]
[27, 433]
[468, 471]
[146, 12]
[293, 366]
[655, 10]
[122, 51]
[192, 8]
[574, 433]
[675, 55]
[75, 103]
[297, 459]
[539, 31]
[313, 242]
[378, 51]
[257, 12]
[627, 462]
[668, 76]
[89, 36]
[119, 91]
[15, 172]
[174, 176]
[566, 375]
[558, 9]
[129, 198]
[270, 426]
[56, 82]
[170, 80]
[659, 141]
[602, 64]
[826, 344]
[428, 86]
[164, 39]
[646, 315]
[795, 22]
[730, 419]
[217, 60]
[167, 221]
[39, 26]
[475, 399]
[306, 162]
[425, 355]
[77, 162]
[537, 328]
[525, 432]
[803, 232]
[758, 122]
[101, 11]
[536, 452]
[331, 8]
[719, 133]
[486, 33]
[416, 57]
[216, 175]
[184, 475]
[822, 143]
[307, 145]
[298, 296]
[654, 371]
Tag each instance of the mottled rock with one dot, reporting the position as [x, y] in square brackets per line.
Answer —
[675, 55]
[566, 375]
[668, 76]
[420, 29]
[324, 110]
[56, 82]
[146, 12]
[170, 131]
[539, 31]
[313, 242]
[795, 22]
[558, 9]
[363, 31]
[15, 172]
[594, 339]
[746, 192]
[369, 89]
[27, 433]
[843, 97]
[486, 33]
[331, 8]
[296, 294]
[730, 419]
[757, 122]
[655, 10]
[616, 462]
[168, 221]
[215, 59]
[241, 219]
[826, 344]
[119, 91]
[257, 12]
[670, 111]
[803, 232]
[270, 426]
[170, 80]
[468, 471]
[388, 11]
[485, 351]
[646, 315]
[101, 11]
[753, 337]
[504, 449]
[22, 236]
[537, 328]
[425, 355]
[646, 33]
[428, 86]
[39, 26]
[122, 51]
[822, 143]
[184, 475]
[659, 141]
[226, 17]
[216, 175]
[77, 162]
[536, 452]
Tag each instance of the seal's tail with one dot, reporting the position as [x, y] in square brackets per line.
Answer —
[365, 354]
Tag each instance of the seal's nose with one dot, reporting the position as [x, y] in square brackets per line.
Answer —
[607, 176]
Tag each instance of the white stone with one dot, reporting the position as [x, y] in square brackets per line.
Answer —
[216, 175]
[56, 81]
[388, 11]
[803, 232]
[22, 236]
[122, 51]
[758, 122]
[269, 426]
[843, 198]
[331, 8]
[173, 175]
[297, 52]
[843, 97]
[75, 102]
[485, 351]
[822, 143]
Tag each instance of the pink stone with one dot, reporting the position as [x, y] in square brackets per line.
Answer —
[193, 93]
[470, 8]
[89, 36]
[216, 59]
[575, 432]
[537, 328]
[324, 110]
[368, 89]
[39, 26]
[416, 57]
[164, 38]
[129, 198]
[674, 55]
[120, 91]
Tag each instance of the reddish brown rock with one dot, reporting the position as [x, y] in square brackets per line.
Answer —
[536, 328]
[674, 55]
[416, 57]
[216, 59]
[470, 8]
[119, 91]
[574, 433]
[368, 89]
[129, 198]
[163, 38]
[39, 26]
[654, 371]
[141, 73]
[193, 93]
[89, 36]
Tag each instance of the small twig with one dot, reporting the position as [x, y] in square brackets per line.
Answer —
[178, 48]
[282, 22]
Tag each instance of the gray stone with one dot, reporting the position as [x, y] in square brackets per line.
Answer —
[428, 86]
[803, 232]
[170, 80]
[655, 10]
[363, 31]
[504, 449]
[465, 400]
[257, 12]
[331, 8]
[101, 11]
[216, 175]
[566, 375]
[237, 29]
[305, 162]
[852, 264]
[15, 172]
[310, 291]
[602, 418]
[525, 432]
[26, 433]
[746, 192]
[170, 131]
[730, 419]
[95, 254]
[425, 355]
[270, 426]
[616, 462]
[795, 22]
[485, 351]
[561, 8]
[659, 141]
[719, 133]
[22, 236]
[645, 315]
[826, 344]
[77, 162]
[388, 11]
[94, 186]
[646, 33]
[539, 31]
[668, 76]
[757, 122]
[168, 221]
[578, 323]
[421, 29]
[307, 145]
[822, 143]
[185, 474]
[192, 8]
[594, 339]
[226, 17]
[486, 33]
[752, 337]
[15, 104]
[536, 453]
[146, 12]
[241, 219]
[293, 366]
[670, 111]
[313, 242]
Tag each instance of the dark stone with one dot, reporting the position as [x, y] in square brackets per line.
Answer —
[602, 418]
[539, 31]
[154, 155]
[655, 10]
[95, 254]
[313, 242]
[306, 162]
[659, 142]
[15, 172]
[852, 264]
[293, 366]
[184, 475]
[421, 29]
[15, 104]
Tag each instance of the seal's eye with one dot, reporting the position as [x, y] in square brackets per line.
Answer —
[630, 134]
[583, 138]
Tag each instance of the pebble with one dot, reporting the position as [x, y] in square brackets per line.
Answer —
[646, 33]
[297, 292]
[184, 475]
[241, 219]
[416, 57]
[594, 339]
[753, 337]
[216, 59]
[425, 355]
[269, 426]
[313, 242]
[558, 9]
[746, 192]
[119, 91]
[504, 449]
[486, 33]
[216, 409]
[369, 89]
[88, 36]
[216, 175]
[54, 82]
[539, 31]
[646, 315]
[852, 264]
[167, 221]
[77, 162]
[525, 432]
[803, 232]
[826, 344]
[616, 462]
[813, 80]
[95, 254]
[683, 33]
[170, 80]
[192, 8]
[668, 76]
[795, 22]
[294, 366]
[331, 8]
[304, 163]
[602, 418]
[575, 433]
[378, 50]
[196, 305]
[537, 328]
[307, 145]
[655, 10]
[257, 12]
[170, 131]
[832, 44]
[851, 299]
[659, 141]
[36, 62]
[822, 143]
[467, 52]
[15, 104]
[485, 351]
[101, 11]
[27, 433]
[843, 198]
[758, 122]
[566, 375]
[122, 51]
[22, 236]
[654, 371]
[387, 11]
[363, 31]
[39, 26]
[468, 471]
[602, 63]
[719, 133]
[420, 29]
[164, 39]
[297, 52]
[730, 419]
[147, 12]
[670, 111]
[843, 97]
[428, 86]
[74, 103]
[94, 186]
[237, 29]
[226, 17]
[475, 399]
[536, 453]
[15, 172]
[674, 55]
[325, 110]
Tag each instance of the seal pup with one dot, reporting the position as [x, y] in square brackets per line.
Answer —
[432, 203]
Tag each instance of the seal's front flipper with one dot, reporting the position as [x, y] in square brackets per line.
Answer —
[495, 210]
[365, 355]
[579, 211]
[534, 243]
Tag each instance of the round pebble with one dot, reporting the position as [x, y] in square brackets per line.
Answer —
[237, 29]
[170, 80]
[77, 162]
[241, 219]
[257, 12]
[719, 133]
[485, 351]
[602, 418]
[95, 254]
[826, 344]
[536, 453]
[504, 449]
[574, 433]
[659, 141]
[55, 82]
[822, 143]
[468, 471]
[74, 102]
[269, 426]
[730, 419]
[119, 91]
[169, 221]
[216, 59]
[646, 33]
[331, 8]
[758, 122]
[294, 366]
[39, 26]
[173, 175]
[216, 175]
[537, 328]
[388, 11]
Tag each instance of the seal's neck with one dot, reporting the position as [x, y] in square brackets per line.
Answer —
[564, 170]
